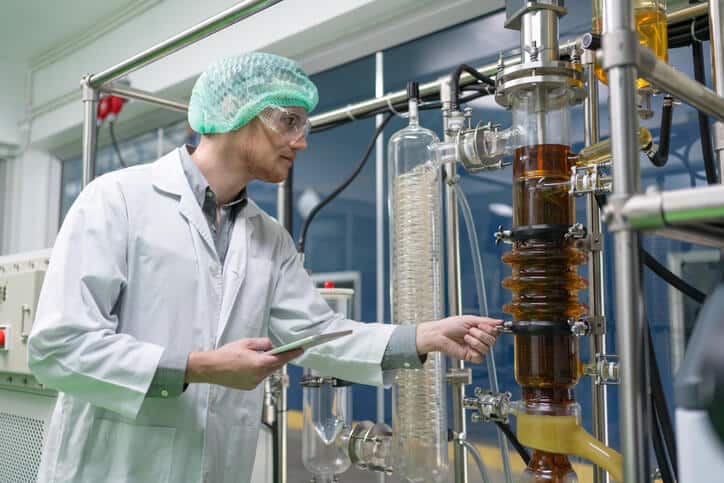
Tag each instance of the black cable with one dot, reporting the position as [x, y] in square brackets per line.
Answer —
[525, 456]
[661, 156]
[115, 144]
[662, 418]
[343, 185]
[662, 437]
[455, 83]
[670, 278]
[661, 270]
[707, 150]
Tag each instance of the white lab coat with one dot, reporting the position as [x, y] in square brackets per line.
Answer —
[134, 273]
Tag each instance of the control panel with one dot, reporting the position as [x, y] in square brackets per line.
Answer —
[21, 278]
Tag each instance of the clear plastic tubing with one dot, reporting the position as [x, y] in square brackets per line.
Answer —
[483, 299]
[419, 416]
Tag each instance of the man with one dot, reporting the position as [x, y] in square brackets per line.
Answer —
[166, 286]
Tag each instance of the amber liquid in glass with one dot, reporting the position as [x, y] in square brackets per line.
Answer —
[544, 284]
[651, 25]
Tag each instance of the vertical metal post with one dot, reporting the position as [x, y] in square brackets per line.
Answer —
[599, 406]
[285, 216]
[620, 43]
[716, 35]
[380, 224]
[89, 96]
[452, 246]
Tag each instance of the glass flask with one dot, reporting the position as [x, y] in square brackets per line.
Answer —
[418, 398]
[650, 18]
[327, 415]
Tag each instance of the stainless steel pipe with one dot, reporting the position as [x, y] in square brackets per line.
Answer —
[596, 310]
[139, 95]
[200, 31]
[686, 13]
[678, 207]
[454, 296]
[716, 36]
[90, 134]
[620, 44]
[669, 79]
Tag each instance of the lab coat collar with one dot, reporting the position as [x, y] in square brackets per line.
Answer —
[168, 176]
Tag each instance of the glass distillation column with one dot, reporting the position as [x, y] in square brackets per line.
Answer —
[544, 261]
[418, 397]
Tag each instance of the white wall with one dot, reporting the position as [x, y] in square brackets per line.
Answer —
[13, 95]
[29, 202]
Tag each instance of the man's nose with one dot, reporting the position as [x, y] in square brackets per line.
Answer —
[299, 144]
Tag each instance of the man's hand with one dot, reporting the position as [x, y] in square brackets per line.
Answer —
[241, 364]
[464, 337]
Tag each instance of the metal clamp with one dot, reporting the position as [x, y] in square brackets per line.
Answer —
[459, 376]
[503, 236]
[576, 232]
[319, 381]
[580, 327]
[605, 371]
[488, 406]
[505, 328]
[594, 178]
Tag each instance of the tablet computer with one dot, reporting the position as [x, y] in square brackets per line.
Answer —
[311, 341]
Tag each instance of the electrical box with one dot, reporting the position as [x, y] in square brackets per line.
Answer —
[21, 278]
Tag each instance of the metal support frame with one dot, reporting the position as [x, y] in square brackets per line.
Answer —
[380, 225]
[139, 95]
[92, 84]
[596, 310]
[452, 255]
[716, 35]
[619, 47]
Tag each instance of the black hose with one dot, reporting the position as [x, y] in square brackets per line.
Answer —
[707, 149]
[670, 278]
[661, 156]
[112, 131]
[525, 456]
[455, 84]
[660, 411]
[343, 185]
[663, 437]
[660, 270]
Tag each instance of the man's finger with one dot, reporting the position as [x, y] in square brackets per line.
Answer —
[485, 337]
[476, 344]
[258, 344]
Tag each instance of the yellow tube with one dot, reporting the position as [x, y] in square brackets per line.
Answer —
[600, 152]
[564, 435]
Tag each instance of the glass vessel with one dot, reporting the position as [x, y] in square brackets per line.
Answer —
[418, 397]
[650, 24]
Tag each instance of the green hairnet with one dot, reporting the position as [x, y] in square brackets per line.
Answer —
[232, 91]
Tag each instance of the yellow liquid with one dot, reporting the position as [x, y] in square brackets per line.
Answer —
[564, 435]
[651, 25]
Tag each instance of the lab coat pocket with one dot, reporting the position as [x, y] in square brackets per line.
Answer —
[127, 453]
[255, 297]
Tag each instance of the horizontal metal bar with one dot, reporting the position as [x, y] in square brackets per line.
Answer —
[669, 79]
[707, 235]
[665, 209]
[686, 13]
[209, 26]
[363, 108]
[131, 93]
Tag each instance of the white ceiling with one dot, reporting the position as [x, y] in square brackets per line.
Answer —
[28, 28]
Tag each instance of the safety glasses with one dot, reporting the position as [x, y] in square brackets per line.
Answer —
[291, 123]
